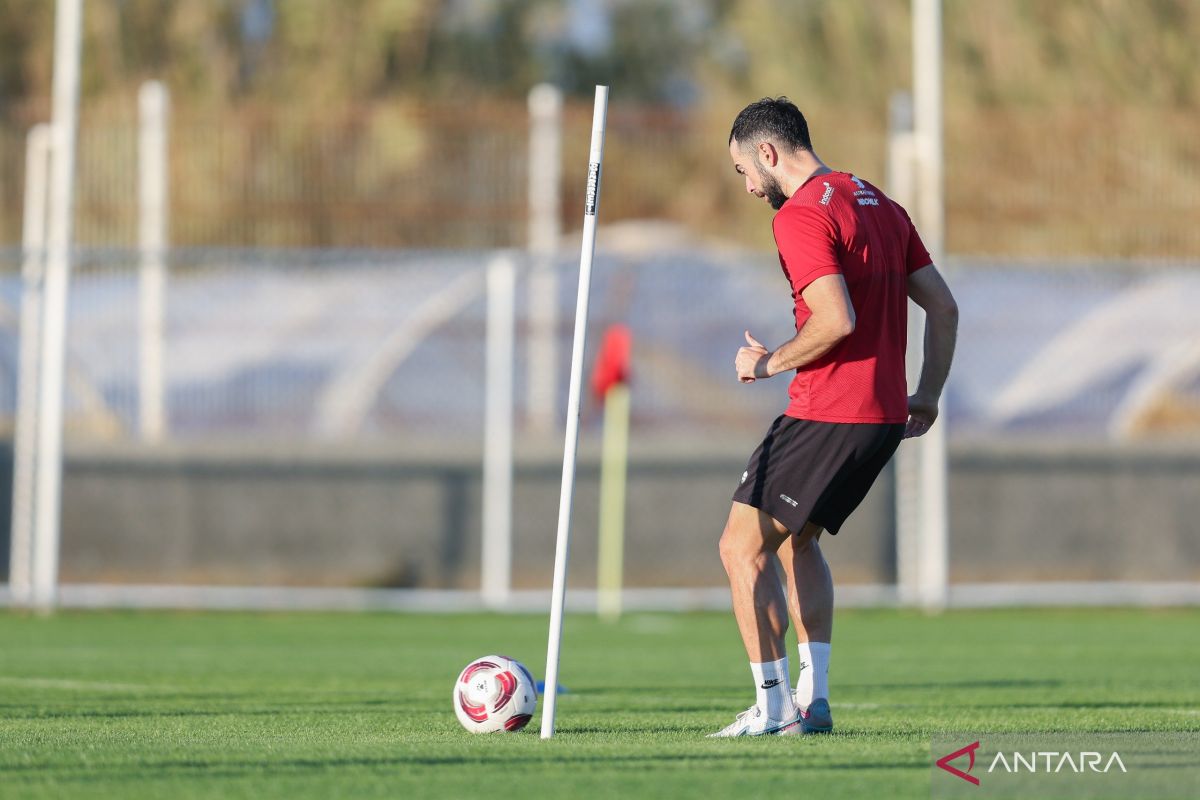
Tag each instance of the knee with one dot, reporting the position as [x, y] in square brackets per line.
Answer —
[733, 553]
[736, 552]
[727, 549]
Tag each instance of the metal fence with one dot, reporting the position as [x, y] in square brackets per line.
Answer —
[325, 316]
[360, 345]
[325, 415]
[1021, 182]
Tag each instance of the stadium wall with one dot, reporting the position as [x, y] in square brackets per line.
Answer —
[408, 516]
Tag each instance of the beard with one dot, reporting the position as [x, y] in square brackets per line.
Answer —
[771, 188]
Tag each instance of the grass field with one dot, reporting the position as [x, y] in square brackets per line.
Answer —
[313, 705]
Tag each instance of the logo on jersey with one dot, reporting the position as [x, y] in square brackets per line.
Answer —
[825, 198]
[864, 195]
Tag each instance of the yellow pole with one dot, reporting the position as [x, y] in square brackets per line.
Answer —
[614, 459]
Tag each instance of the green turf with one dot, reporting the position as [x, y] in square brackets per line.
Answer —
[306, 705]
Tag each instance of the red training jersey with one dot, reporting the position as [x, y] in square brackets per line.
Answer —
[837, 224]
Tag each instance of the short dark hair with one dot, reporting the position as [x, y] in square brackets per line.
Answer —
[774, 118]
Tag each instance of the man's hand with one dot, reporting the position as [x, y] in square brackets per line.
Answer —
[922, 413]
[928, 290]
[751, 361]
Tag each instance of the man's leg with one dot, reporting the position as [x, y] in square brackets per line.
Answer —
[748, 548]
[810, 602]
[809, 584]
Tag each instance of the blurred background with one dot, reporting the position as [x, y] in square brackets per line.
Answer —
[349, 199]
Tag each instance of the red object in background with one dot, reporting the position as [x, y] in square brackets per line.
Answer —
[612, 364]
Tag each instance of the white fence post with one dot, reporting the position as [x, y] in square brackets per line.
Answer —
[33, 238]
[900, 186]
[496, 563]
[65, 104]
[933, 552]
[545, 179]
[153, 216]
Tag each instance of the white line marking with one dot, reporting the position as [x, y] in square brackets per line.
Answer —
[101, 686]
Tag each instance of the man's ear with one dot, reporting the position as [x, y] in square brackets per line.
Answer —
[768, 153]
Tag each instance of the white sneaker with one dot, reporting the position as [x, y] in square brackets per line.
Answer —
[753, 722]
[816, 718]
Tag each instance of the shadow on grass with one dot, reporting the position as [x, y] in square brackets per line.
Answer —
[1124, 704]
[998, 683]
[12, 712]
[238, 769]
[656, 690]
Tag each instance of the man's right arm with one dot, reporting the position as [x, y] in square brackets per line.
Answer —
[928, 290]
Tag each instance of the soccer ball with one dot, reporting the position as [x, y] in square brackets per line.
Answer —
[494, 693]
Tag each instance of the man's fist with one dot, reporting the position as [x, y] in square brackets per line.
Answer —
[751, 361]
[922, 413]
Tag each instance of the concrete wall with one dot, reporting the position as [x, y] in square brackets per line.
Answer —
[409, 515]
[1026, 511]
[395, 518]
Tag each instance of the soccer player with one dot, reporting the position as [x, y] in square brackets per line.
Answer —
[852, 259]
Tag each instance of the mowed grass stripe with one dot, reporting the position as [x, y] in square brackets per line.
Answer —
[358, 705]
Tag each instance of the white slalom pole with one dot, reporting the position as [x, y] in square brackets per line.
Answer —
[562, 547]
[60, 208]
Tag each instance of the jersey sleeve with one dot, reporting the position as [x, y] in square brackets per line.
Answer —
[808, 242]
[917, 256]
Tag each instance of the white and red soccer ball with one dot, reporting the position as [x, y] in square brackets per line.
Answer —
[494, 694]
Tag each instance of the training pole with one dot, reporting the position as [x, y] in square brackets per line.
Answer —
[562, 546]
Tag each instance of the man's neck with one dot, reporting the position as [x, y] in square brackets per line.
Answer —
[802, 166]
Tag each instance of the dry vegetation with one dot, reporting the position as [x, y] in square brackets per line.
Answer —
[1070, 125]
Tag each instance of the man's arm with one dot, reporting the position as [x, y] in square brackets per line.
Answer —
[930, 292]
[832, 321]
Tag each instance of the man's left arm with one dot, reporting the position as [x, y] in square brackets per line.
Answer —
[832, 320]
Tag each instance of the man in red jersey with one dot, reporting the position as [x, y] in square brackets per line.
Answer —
[852, 259]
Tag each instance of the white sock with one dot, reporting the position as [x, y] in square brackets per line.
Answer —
[773, 688]
[812, 681]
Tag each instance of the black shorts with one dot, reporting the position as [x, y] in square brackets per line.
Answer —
[819, 472]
